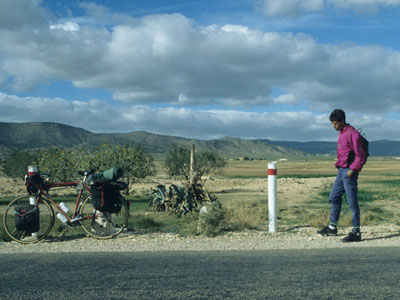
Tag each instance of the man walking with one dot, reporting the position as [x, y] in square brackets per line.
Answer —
[350, 159]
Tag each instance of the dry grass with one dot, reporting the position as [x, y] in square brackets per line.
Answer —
[311, 167]
[303, 189]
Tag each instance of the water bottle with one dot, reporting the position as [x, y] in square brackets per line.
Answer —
[64, 207]
[32, 201]
[62, 218]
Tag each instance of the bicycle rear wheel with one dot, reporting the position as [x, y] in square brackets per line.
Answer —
[31, 231]
[103, 225]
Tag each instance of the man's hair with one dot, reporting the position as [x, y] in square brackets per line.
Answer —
[337, 115]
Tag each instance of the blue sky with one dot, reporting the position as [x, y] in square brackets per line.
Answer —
[271, 69]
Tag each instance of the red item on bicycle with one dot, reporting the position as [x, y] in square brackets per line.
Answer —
[33, 183]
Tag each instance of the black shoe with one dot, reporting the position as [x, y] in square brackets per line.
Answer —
[327, 231]
[352, 237]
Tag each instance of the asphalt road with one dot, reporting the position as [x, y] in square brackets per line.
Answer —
[364, 273]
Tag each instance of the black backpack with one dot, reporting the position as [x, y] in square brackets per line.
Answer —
[27, 218]
[365, 145]
[106, 196]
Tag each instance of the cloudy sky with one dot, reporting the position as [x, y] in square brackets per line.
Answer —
[205, 69]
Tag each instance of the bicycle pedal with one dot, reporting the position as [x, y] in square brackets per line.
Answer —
[70, 225]
[61, 228]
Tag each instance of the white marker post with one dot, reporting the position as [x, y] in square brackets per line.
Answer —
[272, 173]
[33, 170]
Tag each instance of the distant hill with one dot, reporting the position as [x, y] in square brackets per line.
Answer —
[39, 135]
[376, 148]
[23, 136]
[309, 147]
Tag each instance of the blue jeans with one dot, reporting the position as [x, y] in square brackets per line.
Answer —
[345, 184]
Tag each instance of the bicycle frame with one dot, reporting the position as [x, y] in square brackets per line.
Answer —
[46, 195]
[96, 223]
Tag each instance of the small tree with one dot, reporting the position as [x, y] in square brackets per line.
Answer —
[59, 163]
[178, 162]
[208, 162]
[16, 163]
[134, 160]
[192, 195]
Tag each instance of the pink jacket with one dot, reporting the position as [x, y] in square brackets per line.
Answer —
[350, 141]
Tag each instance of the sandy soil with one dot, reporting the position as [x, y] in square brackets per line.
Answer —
[291, 191]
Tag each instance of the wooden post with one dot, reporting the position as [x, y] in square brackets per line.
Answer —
[192, 159]
[192, 175]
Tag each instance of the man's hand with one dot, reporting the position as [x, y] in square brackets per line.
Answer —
[350, 172]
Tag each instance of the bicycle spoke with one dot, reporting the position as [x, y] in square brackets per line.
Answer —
[103, 225]
[43, 222]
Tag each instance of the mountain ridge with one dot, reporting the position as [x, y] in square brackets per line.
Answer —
[34, 135]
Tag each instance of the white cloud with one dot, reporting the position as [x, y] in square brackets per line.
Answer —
[99, 116]
[291, 8]
[297, 8]
[67, 26]
[287, 98]
[364, 6]
[170, 59]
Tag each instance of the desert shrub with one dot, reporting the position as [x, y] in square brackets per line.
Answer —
[180, 199]
[211, 219]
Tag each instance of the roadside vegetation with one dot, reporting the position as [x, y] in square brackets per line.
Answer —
[62, 164]
[241, 189]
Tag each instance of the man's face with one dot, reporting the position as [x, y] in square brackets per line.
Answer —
[338, 125]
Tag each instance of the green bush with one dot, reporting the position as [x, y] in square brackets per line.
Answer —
[178, 162]
[211, 219]
[16, 163]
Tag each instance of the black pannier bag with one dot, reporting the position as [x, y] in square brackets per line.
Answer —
[27, 218]
[106, 195]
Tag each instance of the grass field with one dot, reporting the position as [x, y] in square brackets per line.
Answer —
[303, 190]
[304, 202]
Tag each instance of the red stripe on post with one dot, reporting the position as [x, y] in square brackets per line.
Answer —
[272, 171]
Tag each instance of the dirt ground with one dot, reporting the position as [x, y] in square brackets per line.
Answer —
[290, 191]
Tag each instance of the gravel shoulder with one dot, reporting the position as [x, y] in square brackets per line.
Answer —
[285, 238]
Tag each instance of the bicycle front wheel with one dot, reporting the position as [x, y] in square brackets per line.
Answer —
[31, 227]
[103, 225]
